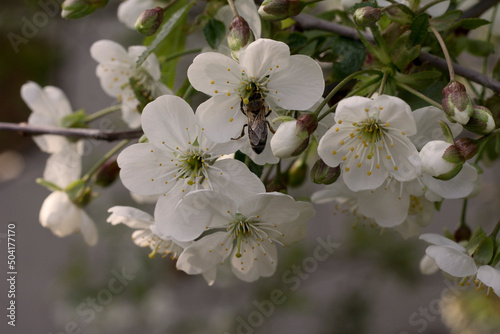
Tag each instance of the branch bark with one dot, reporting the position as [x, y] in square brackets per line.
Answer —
[31, 130]
[309, 22]
[479, 8]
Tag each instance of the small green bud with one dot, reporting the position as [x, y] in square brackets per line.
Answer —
[297, 173]
[75, 9]
[240, 34]
[79, 193]
[366, 16]
[276, 10]
[456, 103]
[149, 21]
[481, 121]
[321, 173]
[107, 173]
[467, 147]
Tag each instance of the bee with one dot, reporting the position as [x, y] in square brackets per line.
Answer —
[256, 111]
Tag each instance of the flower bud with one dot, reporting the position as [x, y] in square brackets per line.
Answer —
[306, 125]
[275, 10]
[297, 173]
[481, 121]
[467, 147]
[456, 103]
[285, 142]
[321, 173]
[149, 21]
[441, 160]
[240, 34]
[79, 193]
[463, 233]
[107, 173]
[366, 16]
[277, 184]
[75, 9]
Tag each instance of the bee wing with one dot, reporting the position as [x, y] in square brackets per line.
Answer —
[257, 127]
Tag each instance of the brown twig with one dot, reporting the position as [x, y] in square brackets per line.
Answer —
[26, 129]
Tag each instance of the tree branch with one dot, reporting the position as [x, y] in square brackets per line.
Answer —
[310, 22]
[479, 8]
[26, 129]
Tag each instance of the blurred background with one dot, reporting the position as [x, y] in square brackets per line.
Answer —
[370, 283]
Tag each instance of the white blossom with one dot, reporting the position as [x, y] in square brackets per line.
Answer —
[117, 67]
[244, 231]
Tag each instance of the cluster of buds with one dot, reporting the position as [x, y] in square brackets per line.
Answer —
[149, 21]
[276, 10]
[75, 9]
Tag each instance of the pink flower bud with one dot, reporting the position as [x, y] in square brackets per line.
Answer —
[456, 103]
[149, 21]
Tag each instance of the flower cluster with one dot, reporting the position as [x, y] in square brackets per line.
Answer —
[272, 111]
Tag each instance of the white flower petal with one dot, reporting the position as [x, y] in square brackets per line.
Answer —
[439, 240]
[234, 179]
[264, 56]
[296, 230]
[169, 122]
[49, 101]
[452, 261]
[129, 10]
[428, 266]
[211, 72]
[427, 120]
[60, 215]
[88, 229]
[490, 277]
[299, 86]
[146, 170]
[204, 254]
[458, 187]
[265, 157]
[221, 118]
[64, 167]
[275, 208]
[258, 259]
[397, 113]
[132, 217]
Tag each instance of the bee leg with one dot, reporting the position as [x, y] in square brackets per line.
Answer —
[270, 127]
[242, 133]
[269, 113]
[242, 109]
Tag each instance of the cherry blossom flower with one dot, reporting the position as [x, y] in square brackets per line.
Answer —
[453, 259]
[244, 231]
[58, 212]
[117, 71]
[370, 142]
[143, 236]
[49, 105]
[265, 67]
[179, 159]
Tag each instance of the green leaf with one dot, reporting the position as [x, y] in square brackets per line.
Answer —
[473, 23]
[484, 251]
[479, 48]
[496, 257]
[419, 79]
[475, 239]
[163, 32]
[401, 54]
[214, 31]
[496, 71]
[419, 29]
[296, 40]
[448, 135]
[352, 55]
[74, 120]
[446, 21]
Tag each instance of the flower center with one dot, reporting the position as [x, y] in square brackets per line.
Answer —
[192, 166]
[370, 132]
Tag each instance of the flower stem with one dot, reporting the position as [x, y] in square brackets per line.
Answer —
[464, 213]
[339, 86]
[105, 158]
[102, 112]
[445, 52]
[382, 84]
[233, 7]
[180, 54]
[420, 95]
[385, 58]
